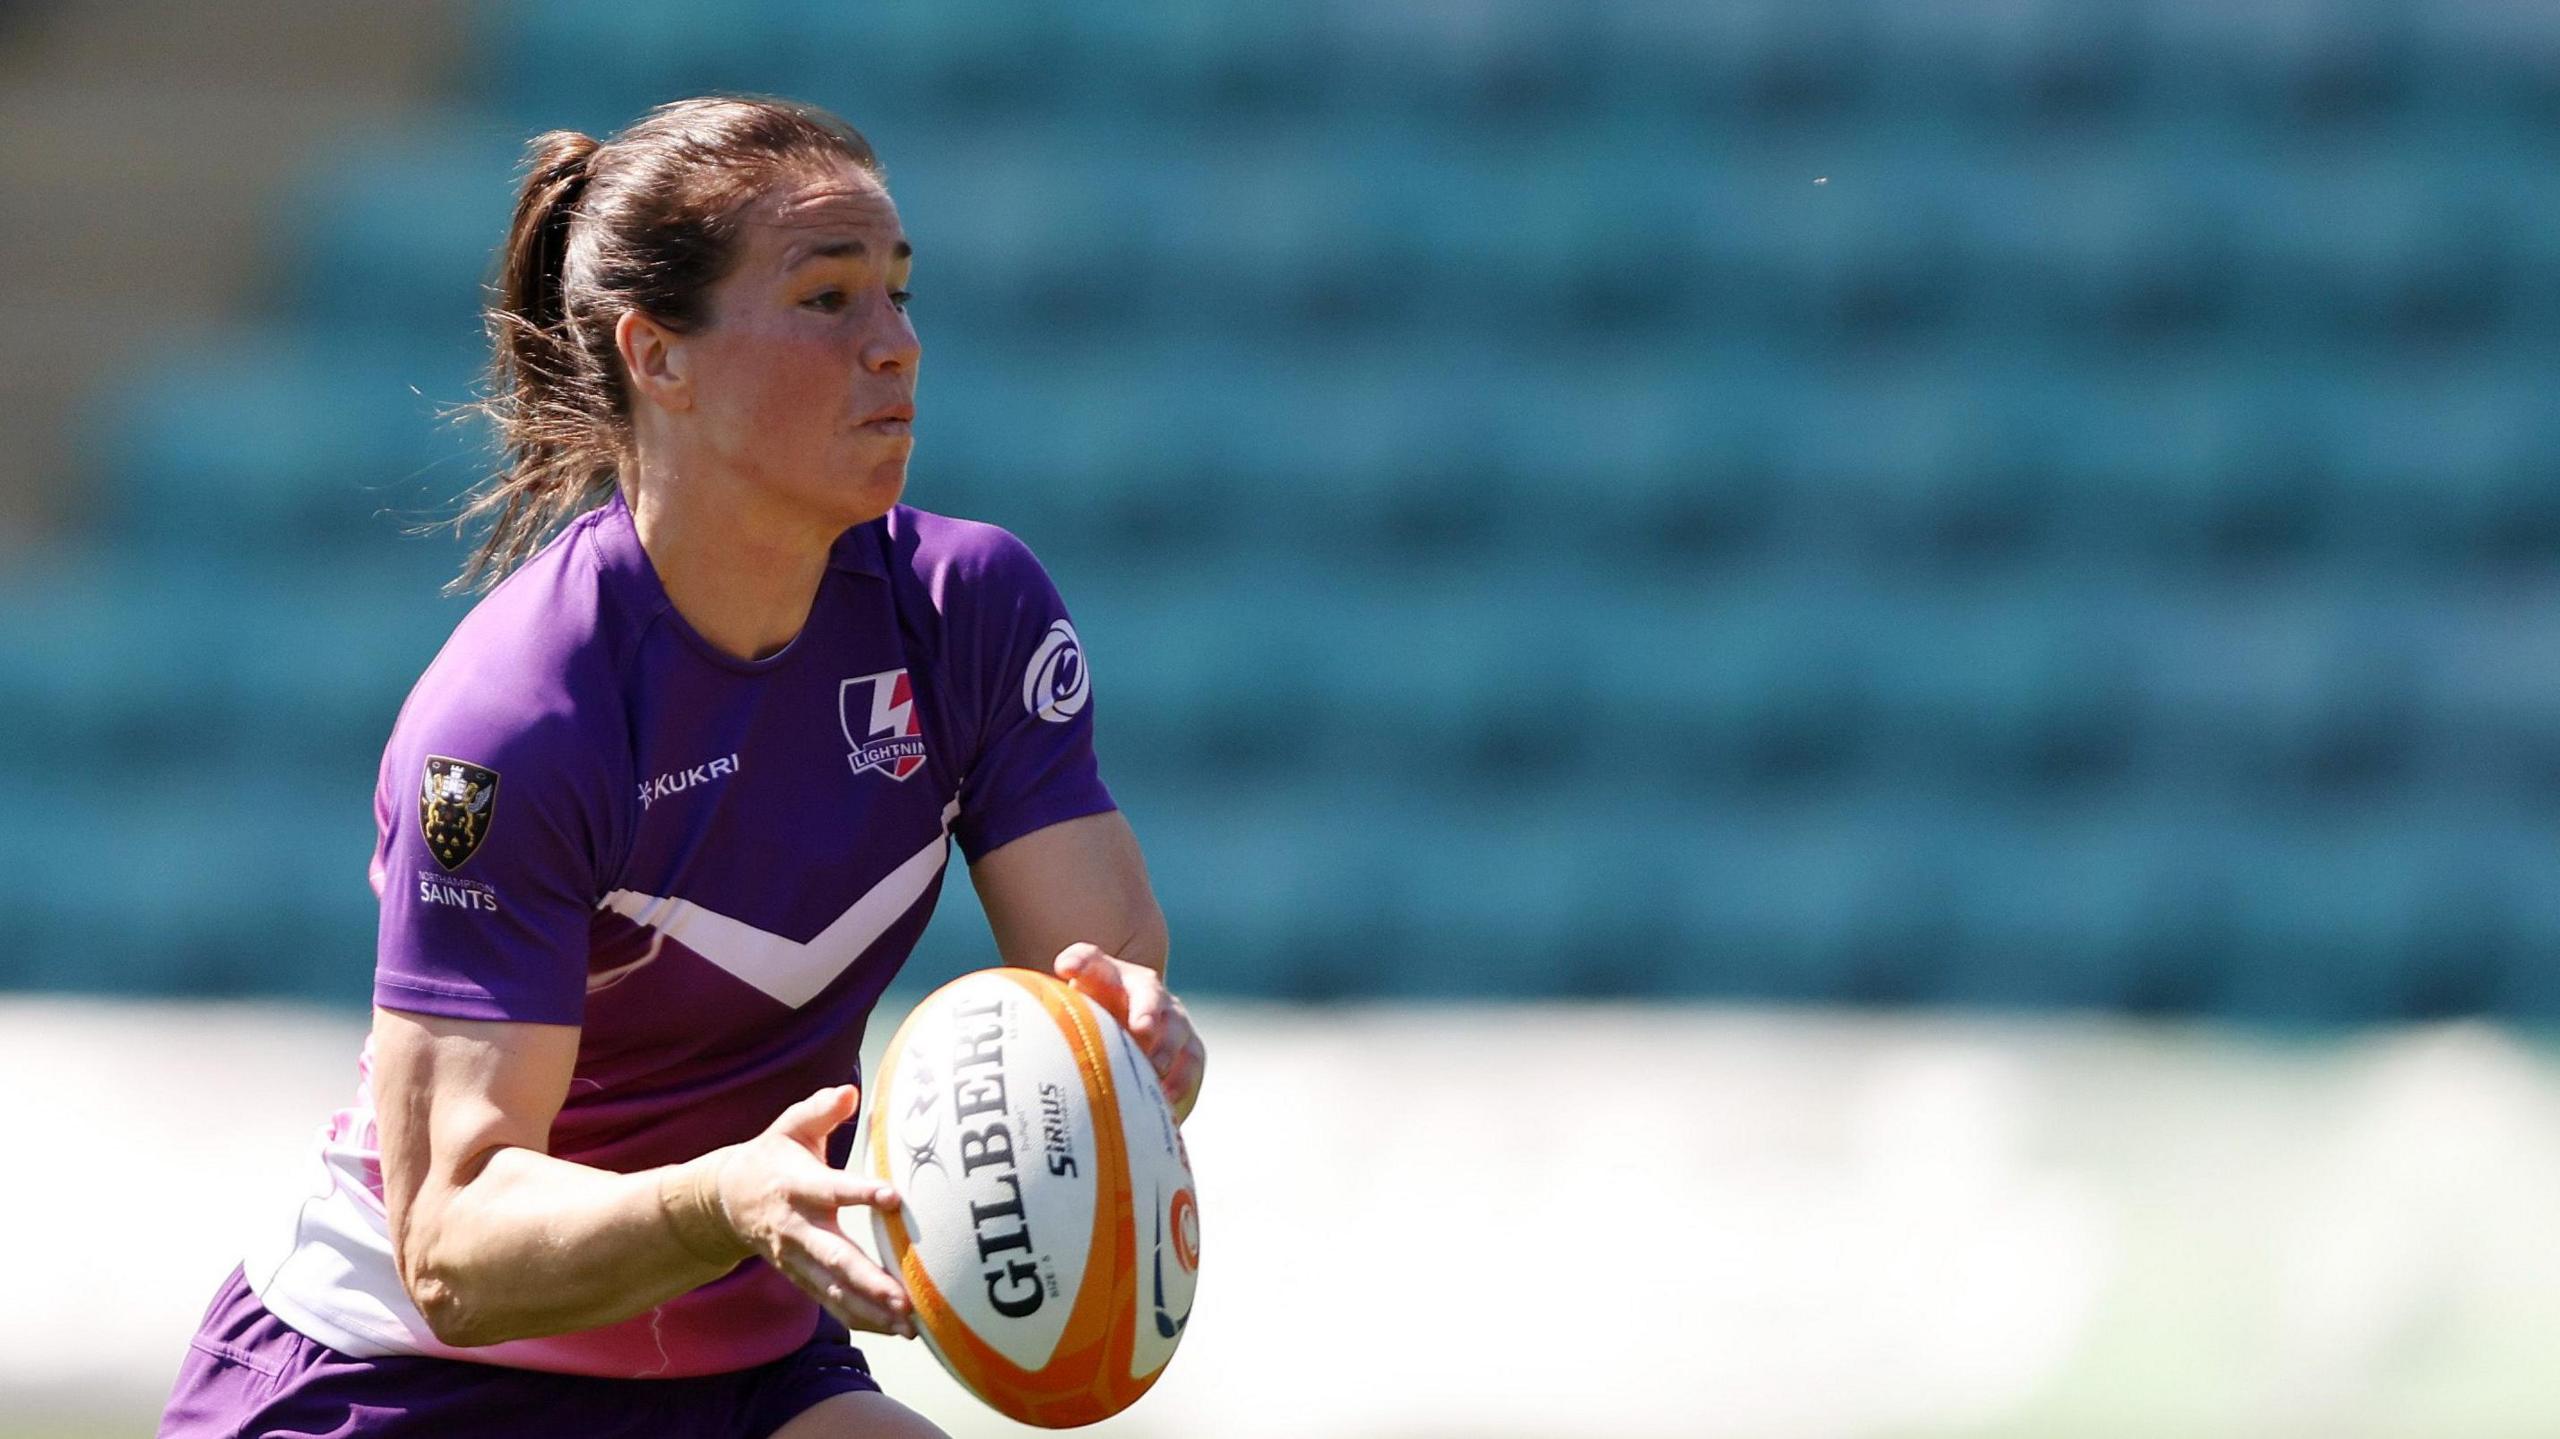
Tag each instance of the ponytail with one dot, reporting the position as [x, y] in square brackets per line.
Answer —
[557, 166]
[545, 385]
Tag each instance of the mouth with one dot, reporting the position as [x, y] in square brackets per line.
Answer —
[892, 420]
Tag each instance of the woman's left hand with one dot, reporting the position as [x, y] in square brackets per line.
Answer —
[1136, 996]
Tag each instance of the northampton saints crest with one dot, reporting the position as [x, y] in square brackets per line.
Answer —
[455, 801]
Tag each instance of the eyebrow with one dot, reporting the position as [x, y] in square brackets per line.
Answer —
[834, 248]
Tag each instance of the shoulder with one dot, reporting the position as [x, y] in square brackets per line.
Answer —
[961, 564]
[533, 672]
[996, 619]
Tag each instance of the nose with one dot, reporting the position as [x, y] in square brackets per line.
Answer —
[891, 346]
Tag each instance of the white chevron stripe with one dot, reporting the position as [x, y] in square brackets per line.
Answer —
[787, 969]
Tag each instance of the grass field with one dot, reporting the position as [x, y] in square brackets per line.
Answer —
[1495, 1222]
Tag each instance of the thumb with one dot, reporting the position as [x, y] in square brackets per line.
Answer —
[1088, 969]
[821, 1114]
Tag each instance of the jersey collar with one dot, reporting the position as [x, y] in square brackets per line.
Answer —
[861, 549]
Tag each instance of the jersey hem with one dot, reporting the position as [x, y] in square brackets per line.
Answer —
[453, 1002]
[355, 1342]
[996, 837]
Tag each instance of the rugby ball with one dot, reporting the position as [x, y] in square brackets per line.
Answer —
[1048, 1231]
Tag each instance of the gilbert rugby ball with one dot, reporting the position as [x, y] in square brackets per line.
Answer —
[1047, 1232]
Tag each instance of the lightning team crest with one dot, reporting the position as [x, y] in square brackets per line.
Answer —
[879, 714]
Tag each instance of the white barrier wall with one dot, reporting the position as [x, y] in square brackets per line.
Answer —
[1499, 1222]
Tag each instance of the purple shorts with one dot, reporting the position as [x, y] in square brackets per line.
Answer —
[249, 1375]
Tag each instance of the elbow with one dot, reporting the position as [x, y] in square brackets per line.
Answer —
[437, 1305]
[449, 1317]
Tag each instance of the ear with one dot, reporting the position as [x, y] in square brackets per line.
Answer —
[654, 357]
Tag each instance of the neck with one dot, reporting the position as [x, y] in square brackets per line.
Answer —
[743, 576]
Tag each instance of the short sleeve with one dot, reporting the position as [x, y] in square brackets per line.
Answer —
[487, 864]
[1034, 763]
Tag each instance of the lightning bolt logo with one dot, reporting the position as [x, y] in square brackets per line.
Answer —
[893, 705]
[890, 738]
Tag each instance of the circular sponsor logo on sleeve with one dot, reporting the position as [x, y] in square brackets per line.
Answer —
[1056, 685]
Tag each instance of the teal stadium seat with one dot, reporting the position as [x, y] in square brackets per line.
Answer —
[2487, 678]
[206, 662]
[398, 235]
[2439, 469]
[2001, 59]
[264, 439]
[1530, 537]
[2528, 988]
[2335, 920]
[247, 880]
[1802, 903]
[593, 65]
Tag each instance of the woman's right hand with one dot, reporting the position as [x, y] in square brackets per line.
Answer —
[779, 1196]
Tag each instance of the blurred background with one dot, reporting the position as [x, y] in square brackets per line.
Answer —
[1849, 709]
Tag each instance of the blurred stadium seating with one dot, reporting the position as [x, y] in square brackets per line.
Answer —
[2018, 503]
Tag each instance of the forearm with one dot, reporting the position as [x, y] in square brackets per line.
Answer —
[1146, 944]
[535, 1245]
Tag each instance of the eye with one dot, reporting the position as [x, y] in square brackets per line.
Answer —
[899, 298]
[827, 300]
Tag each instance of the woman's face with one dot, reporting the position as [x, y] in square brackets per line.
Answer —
[801, 386]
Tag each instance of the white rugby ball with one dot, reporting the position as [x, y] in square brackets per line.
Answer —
[1048, 1231]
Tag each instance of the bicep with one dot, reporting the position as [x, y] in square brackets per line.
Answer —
[1078, 881]
[449, 1093]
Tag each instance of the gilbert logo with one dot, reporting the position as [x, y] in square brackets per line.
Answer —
[879, 715]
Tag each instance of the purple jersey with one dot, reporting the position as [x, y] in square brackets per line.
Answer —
[589, 815]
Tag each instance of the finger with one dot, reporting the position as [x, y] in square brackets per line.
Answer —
[1096, 975]
[1161, 1026]
[841, 1299]
[824, 1189]
[1188, 1066]
[812, 1278]
[821, 1113]
[857, 1298]
[1150, 1003]
[852, 1269]
[844, 1259]
[1182, 1088]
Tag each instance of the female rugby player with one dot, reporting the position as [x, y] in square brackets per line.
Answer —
[661, 822]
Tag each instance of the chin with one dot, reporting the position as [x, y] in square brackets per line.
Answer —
[873, 496]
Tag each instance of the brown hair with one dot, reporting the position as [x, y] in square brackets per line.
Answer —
[646, 221]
